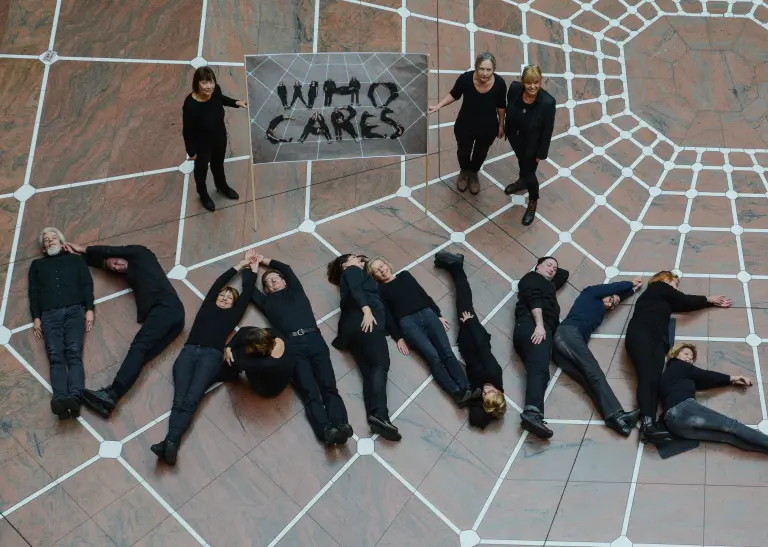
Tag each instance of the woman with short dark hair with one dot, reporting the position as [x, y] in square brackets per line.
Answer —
[480, 120]
[205, 134]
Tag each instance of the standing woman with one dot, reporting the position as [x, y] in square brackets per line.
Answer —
[647, 341]
[480, 120]
[530, 122]
[205, 135]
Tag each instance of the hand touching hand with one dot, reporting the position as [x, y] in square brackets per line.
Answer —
[74, 248]
[241, 104]
[432, 109]
[637, 283]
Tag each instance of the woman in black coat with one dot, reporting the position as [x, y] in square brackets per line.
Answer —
[205, 135]
[480, 119]
[647, 341]
[530, 121]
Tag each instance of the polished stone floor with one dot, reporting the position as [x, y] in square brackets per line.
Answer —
[657, 163]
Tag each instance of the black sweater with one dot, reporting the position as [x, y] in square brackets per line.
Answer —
[475, 348]
[145, 275]
[267, 375]
[288, 310]
[478, 116]
[213, 324]
[536, 291]
[59, 281]
[655, 306]
[203, 122]
[529, 127]
[404, 296]
[681, 380]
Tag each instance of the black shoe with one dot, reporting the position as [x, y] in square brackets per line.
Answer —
[228, 192]
[461, 397]
[290, 140]
[530, 213]
[534, 423]
[631, 418]
[59, 408]
[333, 436]
[346, 430]
[515, 187]
[616, 423]
[476, 394]
[384, 428]
[101, 401]
[443, 259]
[73, 405]
[158, 450]
[207, 202]
[652, 432]
[171, 452]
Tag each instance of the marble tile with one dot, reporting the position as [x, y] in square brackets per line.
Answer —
[88, 533]
[48, 518]
[18, 388]
[99, 485]
[65, 451]
[551, 459]
[728, 509]
[688, 468]
[605, 456]
[670, 513]
[131, 517]
[520, 500]
[417, 526]
[711, 252]
[650, 250]
[601, 242]
[35, 424]
[26, 27]
[572, 522]
[629, 198]
[20, 477]
[169, 532]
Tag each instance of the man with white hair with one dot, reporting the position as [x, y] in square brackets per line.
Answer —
[61, 304]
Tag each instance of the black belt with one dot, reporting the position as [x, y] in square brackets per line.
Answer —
[302, 332]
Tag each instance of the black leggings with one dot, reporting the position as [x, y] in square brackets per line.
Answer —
[213, 155]
[371, 354]
[528, 166]
[648, 353]
[536, 359]
[471, 152]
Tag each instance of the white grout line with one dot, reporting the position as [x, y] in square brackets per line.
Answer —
[322, 240]
[202, 29]
[632, 488]
[182, 215]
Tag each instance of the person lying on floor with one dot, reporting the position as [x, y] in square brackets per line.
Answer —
[202, 357]
[687, 418]
[422, 326]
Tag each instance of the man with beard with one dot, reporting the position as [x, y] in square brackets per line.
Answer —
[158, 309]
[61, 303]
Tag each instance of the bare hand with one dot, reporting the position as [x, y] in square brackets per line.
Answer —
[720, 301]
[446, 323]
[37, 329]
[637, 283]
[539, 335]
[250, 255]
[74, 248]
[402, 347]
[88, 320]
[741, 381]
[502, 135]
[228, 357]
[368, 321]
[193, 158]
[241, 104]
[466, 316]
[432, 109]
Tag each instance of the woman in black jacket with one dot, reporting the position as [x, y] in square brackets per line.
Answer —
[361, 330]
[480, 120]
[205, 134]
[530, 121]
[647, 341]
[266, 357]
[690, 420]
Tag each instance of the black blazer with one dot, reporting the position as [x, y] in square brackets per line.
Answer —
[541, 124]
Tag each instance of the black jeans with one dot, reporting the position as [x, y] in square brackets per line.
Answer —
[471, 152]
[315, 382]
[161, 327]
[214, 155]
[536, 360]
[64, 333]
[371, 355]
[528, 166]
[572, 354]
[691, 420]
[194, 371]
[648, 354]
[426, 334]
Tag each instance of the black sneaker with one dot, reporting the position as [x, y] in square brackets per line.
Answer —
[158, 450]
[171, 452]
[59, 408]
[461, 397]
[534, 423]
[384, 428]
[443, 259]
[73, 405]
[515, 187]
[207, 202]
[228, 192]
[101, 401]
[346, 430]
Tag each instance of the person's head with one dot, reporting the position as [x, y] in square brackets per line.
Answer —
[116, 264]
[610, 302]
[273, 281]
[380, 269]
[204, 81]
[547, 266]
[683, 351]
[227, 297]
[485, 65]
[494, 403]
[666, 277]
[531, 79]
[259, 341]
[340, 263]
[51, 241]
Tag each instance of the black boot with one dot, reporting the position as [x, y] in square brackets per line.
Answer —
[59, 408]
[515, 187]
[158, 450]
[333, 436]
[102, 402]
[530, 213]
[73, 405]
[228, 192]
[652, 432]
[171, 452]
[616, 422]
[385, 428]
[207, 202]
[461, 397]
[346, 430]
[533, 422]
[444, 259]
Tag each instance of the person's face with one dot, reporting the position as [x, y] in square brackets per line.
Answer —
[206, 87]
[51, 243]
[484, 71]
[674, 282]
[610, 302]
[353, 260]
[548, 268]
[686, 354]
[489, 389]
[381, 272]
[532, 88]
[117, 265]
[274, 283]
[225, 300]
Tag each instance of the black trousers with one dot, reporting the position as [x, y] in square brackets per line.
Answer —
[572, 354]
[471, 152]
[311, 96]
[337, 131]
[213, 155]
[195, 369]
[161, 327]
[315, 382]
[298, 97]
[371, 355]
[64, 333]
[283, 99]
[648, 355]
[536, 360]
[528, 166]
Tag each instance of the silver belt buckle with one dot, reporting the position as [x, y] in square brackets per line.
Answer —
[300, 332]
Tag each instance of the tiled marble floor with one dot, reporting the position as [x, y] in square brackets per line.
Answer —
[657, 163]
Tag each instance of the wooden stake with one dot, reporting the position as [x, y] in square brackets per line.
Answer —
[426, 163]
[250, 143]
